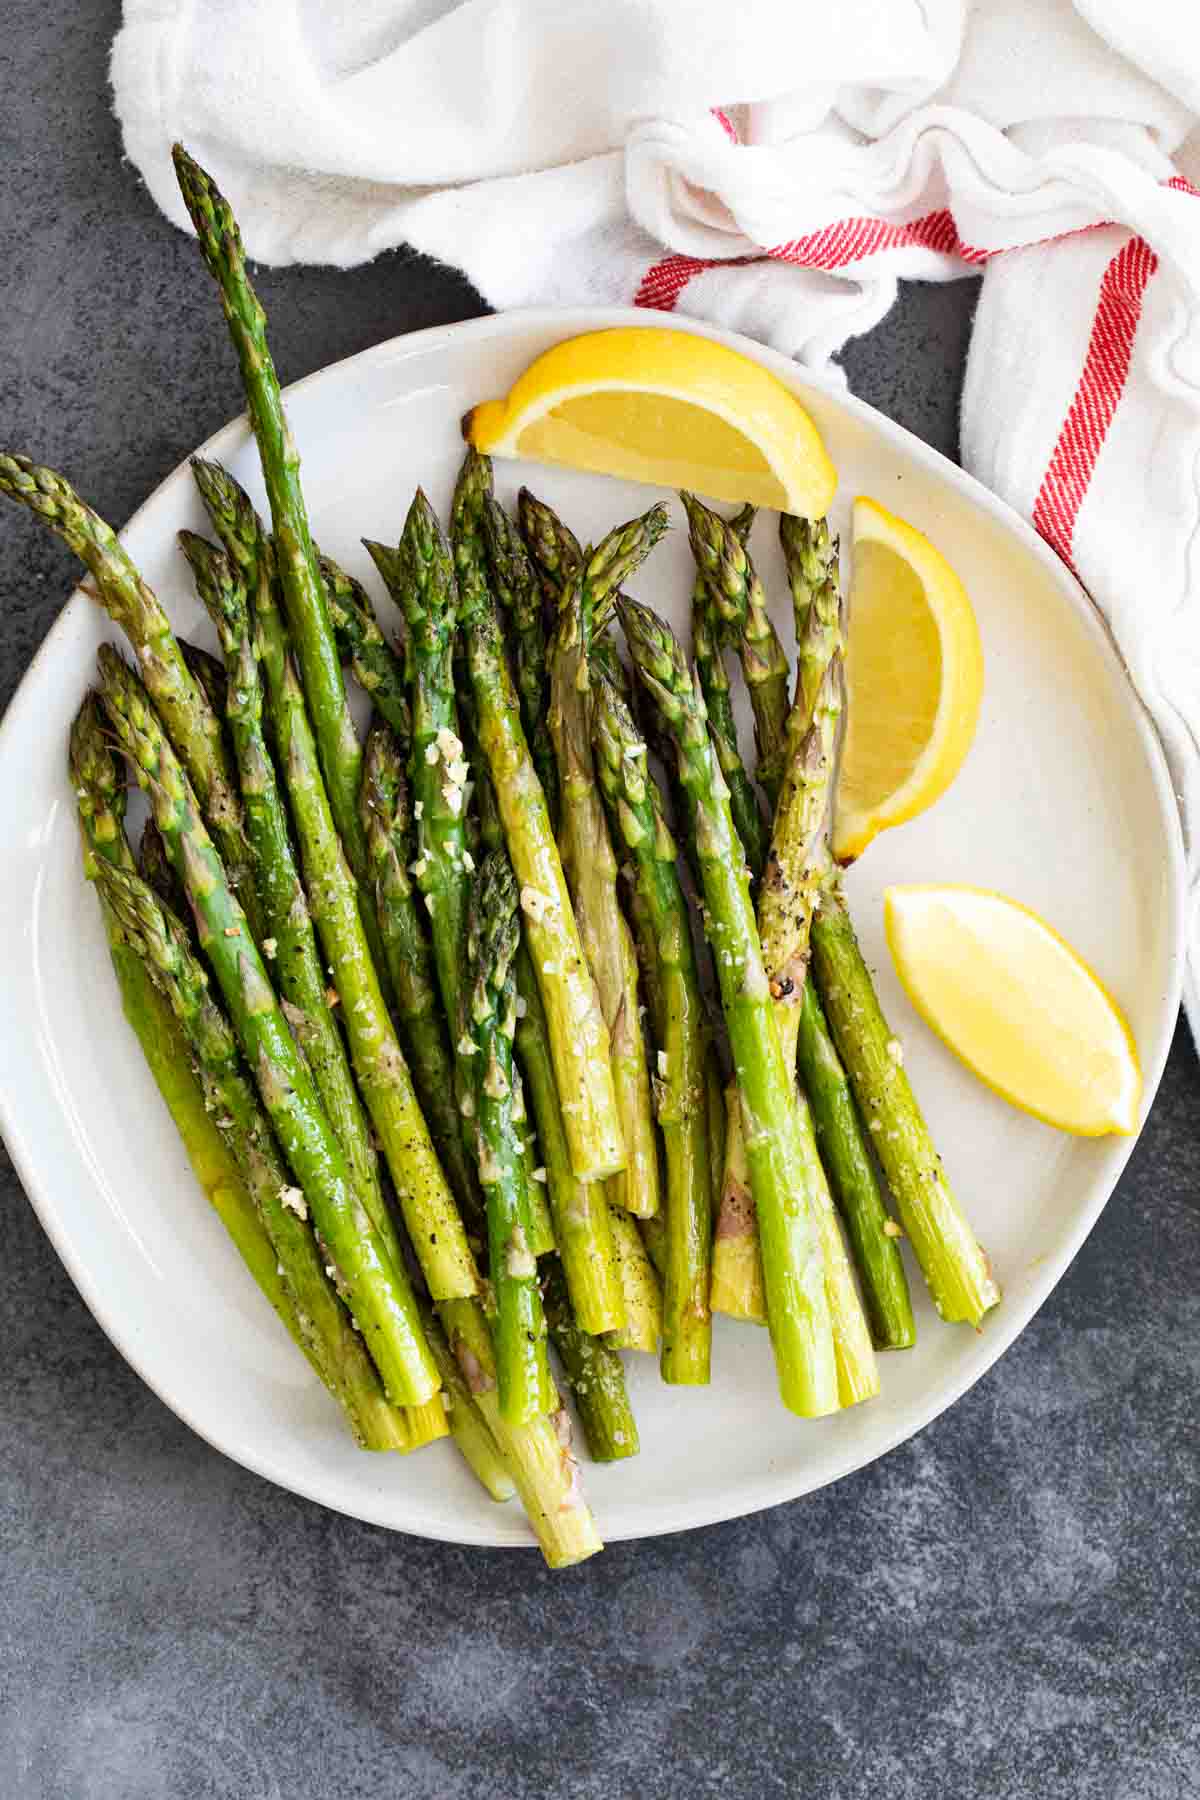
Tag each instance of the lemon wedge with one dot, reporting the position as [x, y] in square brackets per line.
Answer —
[664, 407]
[1017, 1004]
[914, 680]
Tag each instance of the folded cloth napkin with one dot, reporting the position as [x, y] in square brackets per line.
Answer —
[775, 167]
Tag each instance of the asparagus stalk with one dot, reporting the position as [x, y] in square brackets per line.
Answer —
[810, 554]
[604, 659]
[714, 1098]
[538, 1455]
[594, 1375]
[804, 754]
[738, 1289]
[182, 705]
[289, 942]
[516, 586]
[587, 852]
[430, 1214]
[869, 1227]
[738, 595]
[640, 1286]
[376, 666]
[580, 1211]
[578, 1035]
[955, 1266]
[208, 672]
[377, 1289]
[156, 871]
[100, 803]
[799, 858]
[493, 933]
[410, 959]
[709, 624]
[654, 1238]
[784, 1166]
[468, 1427]
[419, 577]
[483, 819]
[304, 596]
[635, 809]
[332, 1345]
[553, 546]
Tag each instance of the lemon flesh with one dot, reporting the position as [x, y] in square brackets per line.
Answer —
[667, 408]
[1021, 1008]
[914, 680]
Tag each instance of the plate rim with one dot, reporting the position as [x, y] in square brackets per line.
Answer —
[1011, 1322]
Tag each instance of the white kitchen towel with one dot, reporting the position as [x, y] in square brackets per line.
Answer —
[775, 167]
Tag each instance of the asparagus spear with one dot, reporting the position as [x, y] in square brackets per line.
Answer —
[799, 858]
[517, 587]
[156, 871]
[468, 1427]
[410, 959]
[483, 820]
[653, 1234]
[578, 1035]
[804, 755]
[593, 1374]
[587, 853]
[714, 1096]
[640, 1286]
[810, 554]
[430, 1214]
[784, 1166]
[289, 942]
[604, 658]
[709, 625]
[378, 1292]
[555, 549]
[304, 596]
[538, 1455]
[493, 933]
[332, 1345]
[419, 577]
[376, 666]
[582, 1225]
[737, 593]
[191, 724]
[99, 790]
[871, 1230]
[955, 1266]
[635, 809]
[208, 672]
[738, 1289]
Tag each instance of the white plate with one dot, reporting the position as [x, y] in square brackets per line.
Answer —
[1064, 803]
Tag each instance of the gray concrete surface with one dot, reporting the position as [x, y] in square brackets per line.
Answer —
[1003, 1608]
